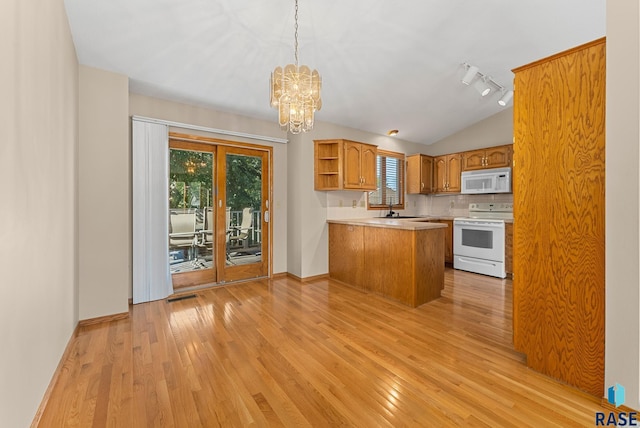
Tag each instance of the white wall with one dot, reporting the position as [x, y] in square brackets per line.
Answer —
[104, 194]
[495, 130]
[140, 105]
[38, 213]
[622, 345]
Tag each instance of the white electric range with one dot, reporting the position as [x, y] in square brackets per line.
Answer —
[478, 240]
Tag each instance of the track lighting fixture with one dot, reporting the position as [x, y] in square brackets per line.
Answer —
[484, 84]
[506, 97]
[472, 70]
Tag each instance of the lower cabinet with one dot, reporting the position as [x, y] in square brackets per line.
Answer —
[346, 254]
[448, 239]
[403, 265]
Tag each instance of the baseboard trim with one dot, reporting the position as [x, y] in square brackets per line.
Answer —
[605, 403]
[106, 318]
[308, 278]
[54, 379]
[279, 275]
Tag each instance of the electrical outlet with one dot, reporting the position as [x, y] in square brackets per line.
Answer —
[354, 203]
[340, 203]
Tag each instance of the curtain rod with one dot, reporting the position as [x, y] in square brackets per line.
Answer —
[212, 130]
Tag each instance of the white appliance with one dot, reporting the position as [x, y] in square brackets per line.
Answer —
[478, 240]
[496, 180]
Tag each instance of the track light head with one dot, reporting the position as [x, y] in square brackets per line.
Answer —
[506, 97]
[482, 86]
[472, 70]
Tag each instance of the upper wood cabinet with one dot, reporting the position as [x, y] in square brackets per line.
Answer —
[559, 216]
[419, 174]
[359, 165]
[344, 165]
[490, 157]
[447, 169]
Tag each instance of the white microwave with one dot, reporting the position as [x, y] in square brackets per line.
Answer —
[496, 180]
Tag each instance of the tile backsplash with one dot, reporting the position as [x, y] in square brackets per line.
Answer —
[458, 205]
[344, 204]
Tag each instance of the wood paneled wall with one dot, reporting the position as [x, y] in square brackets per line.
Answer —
[559, 165]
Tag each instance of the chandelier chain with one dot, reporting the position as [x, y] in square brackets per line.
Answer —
[295, 92]
[296, 34]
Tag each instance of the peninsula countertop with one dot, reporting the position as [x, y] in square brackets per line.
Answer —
[416, 223]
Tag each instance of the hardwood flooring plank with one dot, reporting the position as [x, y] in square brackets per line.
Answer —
[283, 353]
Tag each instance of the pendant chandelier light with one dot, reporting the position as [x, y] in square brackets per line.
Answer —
[295, 92]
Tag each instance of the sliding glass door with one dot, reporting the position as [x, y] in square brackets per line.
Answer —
[243, 203]
[218, 213]
[191, 213]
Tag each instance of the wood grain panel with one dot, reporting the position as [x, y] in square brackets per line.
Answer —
[448, 240]
[351, 168]
[346, 254]
[403, 265]
[508, 248]
[498, 157]
[419, 174]
[440, 174]
[473, 159]
[429, 267]
[414, 174]
[368, 166]
[559, 132]
[285, 353]
[390, 263]
[454, 170]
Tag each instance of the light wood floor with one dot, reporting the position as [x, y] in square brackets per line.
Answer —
[285, 353]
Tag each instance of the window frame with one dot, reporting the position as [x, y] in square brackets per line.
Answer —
[382, 178]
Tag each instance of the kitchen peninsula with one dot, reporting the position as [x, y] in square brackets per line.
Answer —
[402, 259]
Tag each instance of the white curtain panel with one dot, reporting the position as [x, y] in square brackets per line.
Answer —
[151, 275]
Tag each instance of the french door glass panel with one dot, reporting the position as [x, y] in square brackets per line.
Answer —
[191, 214]
[245, 200]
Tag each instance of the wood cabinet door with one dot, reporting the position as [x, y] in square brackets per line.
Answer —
[440, 173]
[454, 168]
[473, 160]
[426, 174]
[414, 174]
[368, 155]
[352, 154]
[497, 157]
[559, 216]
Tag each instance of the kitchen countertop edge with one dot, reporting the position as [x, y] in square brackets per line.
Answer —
[390, 223]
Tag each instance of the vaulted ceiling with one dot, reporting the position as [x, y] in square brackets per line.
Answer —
[384, 64]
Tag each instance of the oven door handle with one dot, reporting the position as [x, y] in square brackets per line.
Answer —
[480, 224]
[473, 262]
